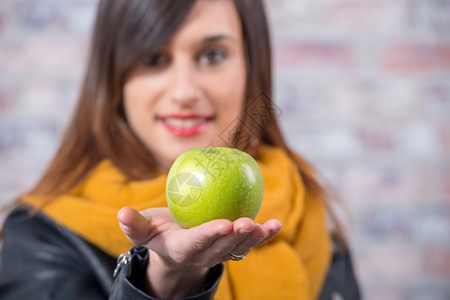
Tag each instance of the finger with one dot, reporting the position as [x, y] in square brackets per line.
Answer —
[259, 235]
[136, 227]
[203, 236]
[243, 226]
[252, 239]
[224, 244]
[272, 226]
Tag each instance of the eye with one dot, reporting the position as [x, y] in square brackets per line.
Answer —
[157, 60]
[212, 57]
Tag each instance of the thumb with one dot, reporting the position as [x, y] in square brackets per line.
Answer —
[136, 227]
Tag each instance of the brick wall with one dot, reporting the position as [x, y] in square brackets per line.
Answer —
[364, 90]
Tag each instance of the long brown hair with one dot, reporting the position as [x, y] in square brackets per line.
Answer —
[126, 33]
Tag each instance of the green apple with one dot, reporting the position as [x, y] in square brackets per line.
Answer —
[211, 183]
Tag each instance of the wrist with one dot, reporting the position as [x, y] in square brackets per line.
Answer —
[168, 279]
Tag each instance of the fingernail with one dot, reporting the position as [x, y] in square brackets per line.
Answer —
[243, 231]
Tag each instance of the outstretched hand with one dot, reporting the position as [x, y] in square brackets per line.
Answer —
[202, 246]
[179, 258]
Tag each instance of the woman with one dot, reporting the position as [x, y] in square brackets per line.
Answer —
[164, 77]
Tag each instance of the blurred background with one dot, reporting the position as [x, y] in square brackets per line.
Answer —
[364, 92]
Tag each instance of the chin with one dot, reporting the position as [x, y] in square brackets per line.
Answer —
[176, 148]
[180, 149]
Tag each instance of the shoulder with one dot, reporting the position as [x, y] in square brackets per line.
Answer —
[32, 241]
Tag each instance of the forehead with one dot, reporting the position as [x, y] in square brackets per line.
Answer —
[211, 17]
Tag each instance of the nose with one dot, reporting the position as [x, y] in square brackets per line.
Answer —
[185, 90]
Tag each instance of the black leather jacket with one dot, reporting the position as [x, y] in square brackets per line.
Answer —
[43, 260]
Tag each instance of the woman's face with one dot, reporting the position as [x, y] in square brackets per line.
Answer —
[191, 92]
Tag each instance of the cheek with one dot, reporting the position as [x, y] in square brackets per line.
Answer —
[137, 105]
[140, 94]
[234, 93]
[131, 102]
[229, 91]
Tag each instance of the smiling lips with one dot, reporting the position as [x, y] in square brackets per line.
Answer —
[185, 125]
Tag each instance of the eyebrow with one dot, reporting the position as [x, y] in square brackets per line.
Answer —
[215, 38]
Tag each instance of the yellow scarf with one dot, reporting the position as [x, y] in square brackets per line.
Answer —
[291, 266]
